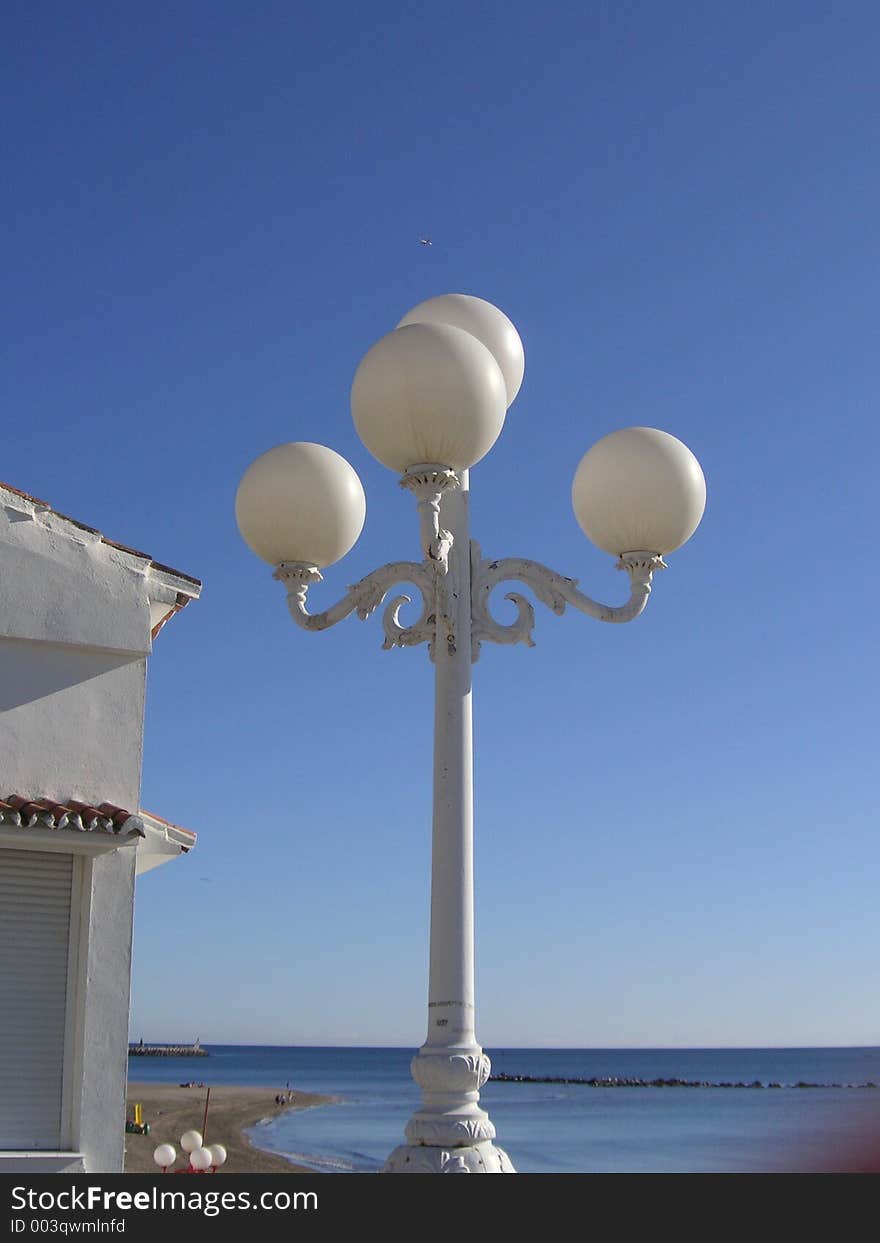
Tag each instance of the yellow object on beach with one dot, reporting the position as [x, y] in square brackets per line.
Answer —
[138, 1115]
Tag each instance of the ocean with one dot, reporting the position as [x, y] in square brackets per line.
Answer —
[833, 1118]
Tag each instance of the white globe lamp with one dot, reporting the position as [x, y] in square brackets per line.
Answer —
[165, 1155]
[300, 502]
[200, 1159]
[485, 322]
[190, 1141]
[639, 490]
[428, 393]
[218, 1155]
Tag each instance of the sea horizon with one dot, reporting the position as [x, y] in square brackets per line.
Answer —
[623, 1048]
[815, 1100]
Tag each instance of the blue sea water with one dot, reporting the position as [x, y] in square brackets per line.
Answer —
[572, 1128]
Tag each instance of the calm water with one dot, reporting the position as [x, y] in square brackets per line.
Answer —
[570, 1128]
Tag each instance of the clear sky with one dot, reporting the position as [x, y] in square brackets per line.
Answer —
[211, 211]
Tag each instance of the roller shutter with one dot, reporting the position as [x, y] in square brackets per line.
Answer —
[35, 900]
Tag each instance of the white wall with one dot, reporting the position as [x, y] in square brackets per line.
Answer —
[70, 722]
[69, 591]
[99, 1111]
[75, 619]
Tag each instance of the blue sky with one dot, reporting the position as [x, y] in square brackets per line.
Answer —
[212, 211]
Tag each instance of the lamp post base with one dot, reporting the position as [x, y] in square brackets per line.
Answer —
[450, 1134]
[484, 1158]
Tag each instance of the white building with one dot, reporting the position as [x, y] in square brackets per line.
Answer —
[78, 614]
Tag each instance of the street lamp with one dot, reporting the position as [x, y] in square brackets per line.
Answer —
[429, 401]
[201, 1157]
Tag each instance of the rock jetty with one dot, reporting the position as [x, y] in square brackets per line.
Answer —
[166, 1050]
[614, 1081]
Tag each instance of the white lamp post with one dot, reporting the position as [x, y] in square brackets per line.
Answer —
[429, 401]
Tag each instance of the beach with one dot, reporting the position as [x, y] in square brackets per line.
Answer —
[171, 1109]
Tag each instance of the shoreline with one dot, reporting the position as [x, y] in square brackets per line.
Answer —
[171, 1109]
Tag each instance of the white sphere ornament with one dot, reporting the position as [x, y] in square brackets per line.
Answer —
[218, 1155]
[200, 1159]
[485, 322]
[190, 1141]
[300, 502]
[428, 393]
[165, 1155]
[639, 490]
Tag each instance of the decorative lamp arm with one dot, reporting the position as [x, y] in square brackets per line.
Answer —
[364, 598]
[553, 589]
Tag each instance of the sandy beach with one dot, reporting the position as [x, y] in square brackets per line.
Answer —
[171, 1110]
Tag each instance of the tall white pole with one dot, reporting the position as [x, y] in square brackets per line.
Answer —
[451, 982]
[451, 1133]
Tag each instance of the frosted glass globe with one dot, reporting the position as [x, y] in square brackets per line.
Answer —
[639, 490]
[483, 321]
[428, 393]
[165, 1155]
[200, 1159]
[190, 1141]
[300, 502]
[218, 1154]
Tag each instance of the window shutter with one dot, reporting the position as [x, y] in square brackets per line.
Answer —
[35, 897]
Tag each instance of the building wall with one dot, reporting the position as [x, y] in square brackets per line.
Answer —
[70, 588]
[70, 722]
[101, 1064]
[74, 639]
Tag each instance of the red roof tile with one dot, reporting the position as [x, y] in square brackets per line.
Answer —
[47, 813]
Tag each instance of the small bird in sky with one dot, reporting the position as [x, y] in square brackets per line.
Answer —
[426, 241]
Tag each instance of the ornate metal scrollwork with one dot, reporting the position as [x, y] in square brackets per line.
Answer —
[553, 589]
[365, 597]
[427, 483]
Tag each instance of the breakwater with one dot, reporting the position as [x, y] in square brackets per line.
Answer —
[617, 1082]
[166, 1050]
